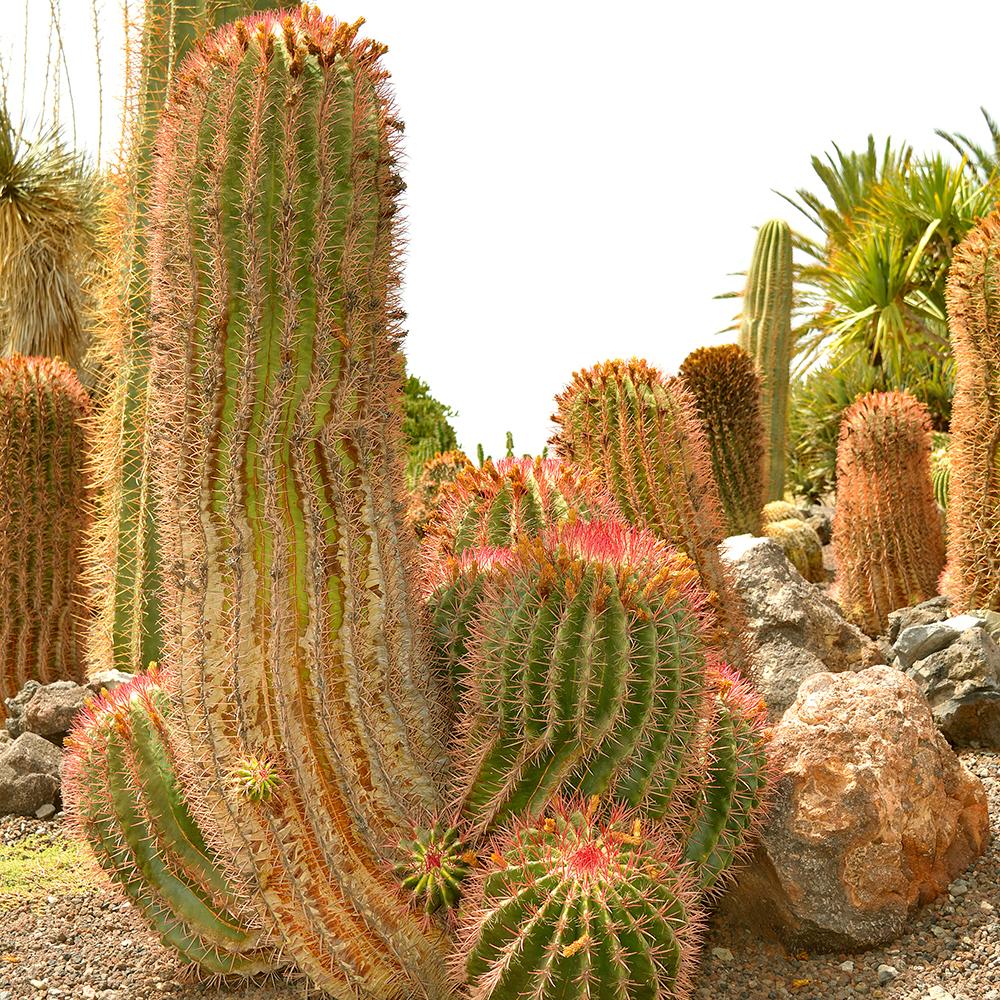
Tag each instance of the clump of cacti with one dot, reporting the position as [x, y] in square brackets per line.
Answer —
[44, 413]
[766, 335]
[887, 534]
[727, 390]
[435, 475]
[799, 540]
[639, 433]
[122, 789]
[574, 905]
[290, 609]
[972, 579]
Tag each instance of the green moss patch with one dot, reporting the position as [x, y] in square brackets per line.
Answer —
[41, 865]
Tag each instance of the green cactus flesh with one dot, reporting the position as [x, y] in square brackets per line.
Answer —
[436, 865]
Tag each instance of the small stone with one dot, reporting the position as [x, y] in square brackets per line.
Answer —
[886, 974]
[938, 993]
[44, 812]
[846, 966]
[722, 954]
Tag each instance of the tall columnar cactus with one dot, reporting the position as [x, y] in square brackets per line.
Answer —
[290, 613]
[727, 389]
[887, 530]
[972, 579]
[43, 515]
[121, 788]
[766, 335]
[639, 432]
[578, 907]
[123, 548]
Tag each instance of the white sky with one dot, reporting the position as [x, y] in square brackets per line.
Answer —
[584, 177]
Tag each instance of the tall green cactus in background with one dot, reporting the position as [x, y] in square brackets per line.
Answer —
[121, 787]
[290, 613]
[972, 578]
[123, 550]
[727, 389]
[43, 514]
[766, 335]
[887, 533]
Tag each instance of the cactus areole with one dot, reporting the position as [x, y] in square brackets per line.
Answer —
[290, 617]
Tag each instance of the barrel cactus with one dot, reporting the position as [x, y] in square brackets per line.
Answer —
[290, 614]
[122, 789]
[434, 867]
[44, 414]
[783, 522]
[766, 335]
[727, 389]
[435, 475]
[887, 533]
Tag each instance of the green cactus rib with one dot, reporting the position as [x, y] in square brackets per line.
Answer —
[639, 433]
[972, 577]
[122, 549]
[887, 534]
[290, 615]
[727, 389]
[122, 789]
[44, 412]
[730, 800]
[573, 907]
[766, 335]
[585, 675]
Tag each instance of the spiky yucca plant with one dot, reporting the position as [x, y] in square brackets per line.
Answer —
[581, 906]
[44, 413]
[121, 787]
[727, 389]
[290, 610]
[435, 475]
[887, 530]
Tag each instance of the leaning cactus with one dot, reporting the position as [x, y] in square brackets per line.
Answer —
[43, 515]
[972, 579]
[887, 531]
[766, 335]
[727, 389]
[435, 475]
[800, 541]
[577, 907]
[122, 789]
[289, 613]
[639, 432]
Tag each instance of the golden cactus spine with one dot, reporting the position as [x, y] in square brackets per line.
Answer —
[290, 613]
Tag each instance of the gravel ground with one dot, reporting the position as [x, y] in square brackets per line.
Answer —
[87, 944]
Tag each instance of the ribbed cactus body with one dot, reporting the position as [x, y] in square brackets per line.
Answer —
[586, 675]
[291, 620]
[435, 866]
[766, 335]
[122, 789]
[801, 545]
[887, 534]
[572, 907]
[639, 433]
[43, 516]
[972, 579]
[727, 390]
[435, 476]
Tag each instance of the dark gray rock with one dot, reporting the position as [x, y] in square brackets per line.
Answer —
[937, 609]
[50, 709]
[918, 641]
[821, 520]
[29, 775]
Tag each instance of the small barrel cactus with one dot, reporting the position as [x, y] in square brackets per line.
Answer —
[435, 475]
[800, 541]
[122, 789]
[44, 413]
[571, 906]
[727, 389]
[887, 534]
[435, 867]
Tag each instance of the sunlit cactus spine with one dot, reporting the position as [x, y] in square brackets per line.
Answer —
[972, 579]
[727, 390]
[577, 906]
[766, 335]
[290, 612]
[435, 475]
[44, 412]
[122, 789]
[639, 433]
[887, 534]
[783, 522]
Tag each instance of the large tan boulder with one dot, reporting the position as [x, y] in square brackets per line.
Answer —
[873, 816]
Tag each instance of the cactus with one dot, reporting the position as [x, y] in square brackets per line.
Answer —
[941, 467]
[766, 335]
[435, 475]
[43, 514]
[639, 433]
[122, 550]
[122, 790]
[290, 616]
[727, 389]
[436, 866]
[887, 530]
[800, 541]
[780, 510]
[972, 578]
[578, 907]
[586, 674]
